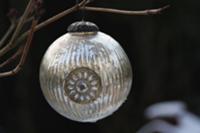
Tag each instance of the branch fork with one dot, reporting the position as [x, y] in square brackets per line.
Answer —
[32, 13]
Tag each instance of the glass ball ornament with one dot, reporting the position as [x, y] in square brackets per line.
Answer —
[85, 74]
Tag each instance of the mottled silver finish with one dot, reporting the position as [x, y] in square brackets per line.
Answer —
[90, 54]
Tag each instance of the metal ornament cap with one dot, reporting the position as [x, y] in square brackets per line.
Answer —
[82, 26]
[85, 77]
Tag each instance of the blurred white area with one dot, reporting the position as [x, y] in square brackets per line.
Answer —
[160, 113]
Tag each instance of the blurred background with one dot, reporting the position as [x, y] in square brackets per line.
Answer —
[163, 50]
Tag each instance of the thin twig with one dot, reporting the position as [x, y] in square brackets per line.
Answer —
[22, 21]
[18, 29]
[10, 31]
[24, 55]
[80, 6]
[12, 58]
[60, 15]
[30, 19]
[43, 24]
[7, 34]
[11, 28]
[125, 12]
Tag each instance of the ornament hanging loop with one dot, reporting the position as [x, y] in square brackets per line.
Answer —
[83, 12]
[83, 9]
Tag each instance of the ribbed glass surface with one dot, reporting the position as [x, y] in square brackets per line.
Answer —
[85, 77]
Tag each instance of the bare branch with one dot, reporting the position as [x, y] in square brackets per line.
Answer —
[12, 58]
[97, 9]
[30, 19]
[23, 19]
[24, 54]
[11, 29]
[53, 19]
[60, 15]
[126, 12]
[18, 29]
[7, 34]
[43, 24]
[12, 15]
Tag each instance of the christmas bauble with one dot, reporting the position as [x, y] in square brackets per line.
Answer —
[85, 75]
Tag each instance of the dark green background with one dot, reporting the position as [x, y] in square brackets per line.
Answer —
[163, 49]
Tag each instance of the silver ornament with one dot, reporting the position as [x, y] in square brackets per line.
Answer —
[85, 75]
